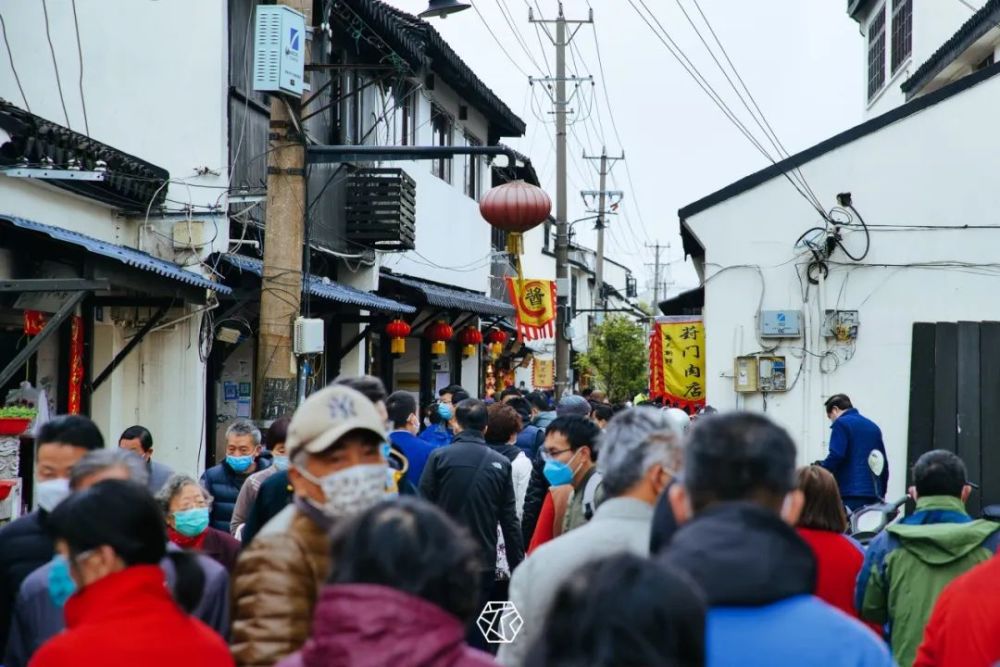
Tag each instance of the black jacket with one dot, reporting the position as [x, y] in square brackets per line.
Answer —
[743, 555]
[534, 498]
[272, 497]
[473, 484]
[224, 484]
[664, 522]
[25, 545]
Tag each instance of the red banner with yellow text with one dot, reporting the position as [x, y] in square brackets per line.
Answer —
[535, 301]
[677, 362]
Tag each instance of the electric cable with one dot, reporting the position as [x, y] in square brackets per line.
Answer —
[79, 51]
[55, 65]
[10, 57]
[496, 39]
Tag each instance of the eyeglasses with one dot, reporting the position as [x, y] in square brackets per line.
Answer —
[550, 456]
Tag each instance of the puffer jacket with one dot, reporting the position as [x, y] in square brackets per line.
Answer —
[362, 625]
[224, 484]
[276, 584]
[908, 565]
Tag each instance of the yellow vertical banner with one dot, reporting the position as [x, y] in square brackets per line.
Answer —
[543, 373]
[677, 362]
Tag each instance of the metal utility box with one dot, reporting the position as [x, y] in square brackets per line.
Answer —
[309, 337]
[760, 374]
[279, 50]
[780, 324]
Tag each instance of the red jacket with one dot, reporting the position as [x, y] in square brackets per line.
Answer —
[128, 619]
[363, 625]
[964, 628]
[838, 561]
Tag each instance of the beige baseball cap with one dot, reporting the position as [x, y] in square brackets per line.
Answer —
[329, 414]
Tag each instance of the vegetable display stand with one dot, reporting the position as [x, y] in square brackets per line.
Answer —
[14, 425]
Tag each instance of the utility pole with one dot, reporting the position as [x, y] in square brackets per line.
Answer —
[602, 203]
[281, 283]
[561, 40]
[656, 273]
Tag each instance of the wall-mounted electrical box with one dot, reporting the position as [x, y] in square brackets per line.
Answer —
[308, 336]
[780, 324]
[279, 46]
[842, 325]
[760, 374]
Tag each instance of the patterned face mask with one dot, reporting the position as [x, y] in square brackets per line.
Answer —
[352, 490]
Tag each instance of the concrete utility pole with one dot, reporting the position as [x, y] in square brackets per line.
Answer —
[281, 285]
[602, 203]
[656, 273]
[561, 40]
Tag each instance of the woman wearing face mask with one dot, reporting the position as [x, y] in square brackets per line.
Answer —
[403, 589]
[109, 541]
[186, 507]
[275, 438]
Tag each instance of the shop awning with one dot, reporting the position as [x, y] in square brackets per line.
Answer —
[123, 254]
[324, 288]
[452, 299]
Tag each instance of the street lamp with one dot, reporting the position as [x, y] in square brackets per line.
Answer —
[442, 8]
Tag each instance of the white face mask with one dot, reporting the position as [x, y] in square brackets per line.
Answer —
[352, 490]
[50, 493]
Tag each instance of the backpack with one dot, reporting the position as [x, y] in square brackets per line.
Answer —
[590, 495]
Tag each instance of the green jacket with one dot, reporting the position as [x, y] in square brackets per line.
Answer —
[908, 565]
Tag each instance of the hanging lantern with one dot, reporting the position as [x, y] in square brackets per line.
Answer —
[470, 338]
[397, 330]
[439, 334]
[496, 339]
[515, 208]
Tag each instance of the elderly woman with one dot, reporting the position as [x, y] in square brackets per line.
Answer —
[186, 507]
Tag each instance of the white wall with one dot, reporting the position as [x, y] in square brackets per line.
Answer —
[933, 168]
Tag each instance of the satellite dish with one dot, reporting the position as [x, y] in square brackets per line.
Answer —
[876, 462]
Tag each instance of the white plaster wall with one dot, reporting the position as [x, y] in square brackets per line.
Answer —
[933, 168]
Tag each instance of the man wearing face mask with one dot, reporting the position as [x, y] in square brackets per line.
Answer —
[404, 424]
[224, 480]
[275, 437]
[639, 455]
[38, 614]
[338, 468]
[26, 543]
[737, 504]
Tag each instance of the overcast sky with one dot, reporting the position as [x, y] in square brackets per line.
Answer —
[801, 59]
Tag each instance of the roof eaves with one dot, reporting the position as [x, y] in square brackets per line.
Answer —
[856, 7]
[827, 145]
[978, 25]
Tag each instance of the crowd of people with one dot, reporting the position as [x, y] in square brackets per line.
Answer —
[363, 530]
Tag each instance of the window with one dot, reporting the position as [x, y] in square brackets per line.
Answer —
[441, 122]
[902, 32]
[473, 170]
[986, 62]
[876, 53]
[406, 103]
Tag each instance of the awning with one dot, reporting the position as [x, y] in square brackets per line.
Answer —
[123, 254]
[324, 288]
[452, 299]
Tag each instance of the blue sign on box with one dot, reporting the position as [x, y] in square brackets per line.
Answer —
[230, 391]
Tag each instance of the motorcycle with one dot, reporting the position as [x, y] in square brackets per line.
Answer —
[866, 522]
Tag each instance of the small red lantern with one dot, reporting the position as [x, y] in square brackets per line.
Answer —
[439, 334]
[496, 339]
[515, 207]
[397, 330]
[470, 338]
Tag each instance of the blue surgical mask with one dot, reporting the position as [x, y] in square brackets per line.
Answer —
[444, 412]
[192, 522]
[281, 462]
[557, 472]
[239, 463]
[61, 584]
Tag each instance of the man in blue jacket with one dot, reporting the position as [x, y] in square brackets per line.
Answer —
[737, 504]
[852, 440]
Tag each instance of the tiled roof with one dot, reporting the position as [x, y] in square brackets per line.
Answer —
[452, 299]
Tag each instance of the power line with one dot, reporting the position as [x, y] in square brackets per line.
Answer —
[55, 65]
[79, 50]
[499, 43]
[518, 37]
[10, 56]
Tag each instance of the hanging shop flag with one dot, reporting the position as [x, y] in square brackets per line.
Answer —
[535, 301]
[677, 361]
[543, 373]
[34, 322]
[75, 393]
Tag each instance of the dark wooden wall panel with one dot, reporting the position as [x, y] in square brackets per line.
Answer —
[989, 378]
[920, 437]
[946, 386]
[968, 427]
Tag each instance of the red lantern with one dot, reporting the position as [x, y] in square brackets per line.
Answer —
[515, 207]
[397, 330]
[439, 334]
[470, 338]
[496, 339]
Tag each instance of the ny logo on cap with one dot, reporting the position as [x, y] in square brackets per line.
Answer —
[342, 407]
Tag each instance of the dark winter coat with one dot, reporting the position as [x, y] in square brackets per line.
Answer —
[224, 484]
[25, 545]
[128, 618]
[272, 497]
[530, 439]
[852, 439]
[474, 485]
[362, 625]
[758, 577]
[37, 619]
[664, 522]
